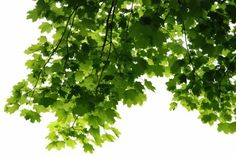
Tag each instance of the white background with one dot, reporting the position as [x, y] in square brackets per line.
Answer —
[150, 130]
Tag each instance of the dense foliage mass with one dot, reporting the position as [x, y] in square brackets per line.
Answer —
[92, 53]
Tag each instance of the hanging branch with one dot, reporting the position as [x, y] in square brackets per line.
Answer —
[186, 42]
[53, 51]
[109, 27]
[129, 18]
[67, 38]
[74, 122]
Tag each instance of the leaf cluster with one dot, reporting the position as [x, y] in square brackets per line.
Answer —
[101, 49]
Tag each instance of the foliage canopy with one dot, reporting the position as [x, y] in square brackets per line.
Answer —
[91, 54]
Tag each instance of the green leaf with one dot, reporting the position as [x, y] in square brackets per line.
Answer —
[62, 115]
[111, 115]
[79, 76]
[47, 101]
[51, 145]
[52, 136]
[11, 108]
[176, 48]
[116, 132]
[133, 96]
[81, 110]
[45, 27]
[33, 48]
[89, 82]
[208, 118]
[33, 15]
[56, 67]
[173, 106]
[94, 121]
[108, 137]
[227, 127]
[56, 145]
[210, 50]
[58, 34]
[147, 2]
[86, 67]
[95, 132]
[149, 85]
[30, 115]
[88, 148]
[71, 143]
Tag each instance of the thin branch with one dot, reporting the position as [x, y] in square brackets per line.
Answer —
[110, 43]
[186, 42]
[67, 38]
[129, 18]
[52, 53]
[75, 120]
[107, 29]
[188, 52]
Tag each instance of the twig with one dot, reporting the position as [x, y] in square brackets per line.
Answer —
[186, 41]
[107, 29]
[67, 38]
[129, 18]
[75, 120]
[52, 53]
[110, 43]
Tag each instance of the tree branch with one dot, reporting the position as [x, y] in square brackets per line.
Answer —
[113, 8]
[129, 18]
[107, 28]
[53, 52]
[67, 38]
